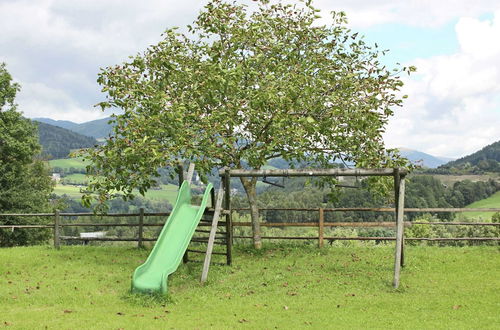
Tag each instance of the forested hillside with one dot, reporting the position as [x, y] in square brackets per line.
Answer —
[58, 142]
[96, 128]
[484, 160]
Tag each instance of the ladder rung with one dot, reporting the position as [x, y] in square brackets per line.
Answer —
[204, 252]
[206, 241]
[206, 237]
[209, 223]
[208, 231]
[212, 263]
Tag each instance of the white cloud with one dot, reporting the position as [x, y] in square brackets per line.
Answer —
[423, 13]
[55, 48]
[454, 104]
[60, 45]
[44, 101]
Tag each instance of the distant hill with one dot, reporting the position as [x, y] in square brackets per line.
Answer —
[57, 142]
[59, 123]
[423, 159]
[96, 128]
[484, 160]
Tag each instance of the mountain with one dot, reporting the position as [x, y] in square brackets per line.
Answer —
[59, 123]
[484, 160]
[58, 142]
[423, 159]
[96, 128]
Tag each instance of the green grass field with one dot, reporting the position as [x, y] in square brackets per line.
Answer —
[491, 202]
[167, 192]
[279, 287]
[75, 179]
[449, 180]
[67, 163]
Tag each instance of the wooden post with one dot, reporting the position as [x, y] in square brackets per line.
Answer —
[141, 227]
[57, 222]
[190, 173]
[226, 182]
[212, 197]
[400, 183]
[180, 169]
[211, 238]
[321, 224]
[397, 180]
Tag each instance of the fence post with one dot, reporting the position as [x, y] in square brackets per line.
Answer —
[141, 227]
[57, 222]
[226, 182]
[321, 227]
[398, 258]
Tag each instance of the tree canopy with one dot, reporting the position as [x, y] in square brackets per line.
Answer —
[25, 185]
[242, 87]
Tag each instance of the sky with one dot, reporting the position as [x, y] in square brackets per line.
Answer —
[55, 49]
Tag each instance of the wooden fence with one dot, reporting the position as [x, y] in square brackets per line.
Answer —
[320, 224]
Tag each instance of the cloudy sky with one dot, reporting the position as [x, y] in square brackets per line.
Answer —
[54, 49]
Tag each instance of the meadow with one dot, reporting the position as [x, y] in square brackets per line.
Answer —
[165, 193]
[491, 202]
[67, 163]
[281, 286]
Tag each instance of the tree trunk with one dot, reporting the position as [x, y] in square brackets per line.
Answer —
[250, 189]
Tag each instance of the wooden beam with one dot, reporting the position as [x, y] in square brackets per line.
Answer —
[400, 230]
[213, 231]
[312, 172]
[57, 222]
[190, 173]
[321, 227]
[141, 228]
[226, 183]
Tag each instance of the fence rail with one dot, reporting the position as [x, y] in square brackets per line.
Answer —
[320, 224]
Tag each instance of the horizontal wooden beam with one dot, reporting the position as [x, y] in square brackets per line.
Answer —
[378, 238]
[372, 209]
[268, 224]
[26, 226]
[314, 172]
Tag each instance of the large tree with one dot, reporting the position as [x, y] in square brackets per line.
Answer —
[242, 87]
[25, 185]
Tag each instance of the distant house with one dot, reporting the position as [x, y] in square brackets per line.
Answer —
[95, 234]
[56, 177]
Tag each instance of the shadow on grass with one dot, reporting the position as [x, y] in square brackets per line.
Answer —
[148, 300]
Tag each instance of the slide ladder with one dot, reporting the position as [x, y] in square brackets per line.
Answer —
[211, 237]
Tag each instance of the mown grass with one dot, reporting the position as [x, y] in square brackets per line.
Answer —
[76, 178]
[491, 202]
[278, 287]
[67, 163]
[166, 193]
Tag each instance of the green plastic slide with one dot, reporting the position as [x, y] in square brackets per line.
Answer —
[171, 244]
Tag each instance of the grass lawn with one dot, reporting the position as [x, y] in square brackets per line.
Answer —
[76, 178]
[491, 202]
[67, 163]
[449, 180]
[280, 287]
[167, 192]
[69, 190]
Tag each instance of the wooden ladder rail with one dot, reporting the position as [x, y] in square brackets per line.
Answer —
[213, 231]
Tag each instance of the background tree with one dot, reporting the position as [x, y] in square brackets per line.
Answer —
[241, 88]
[25, 185]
